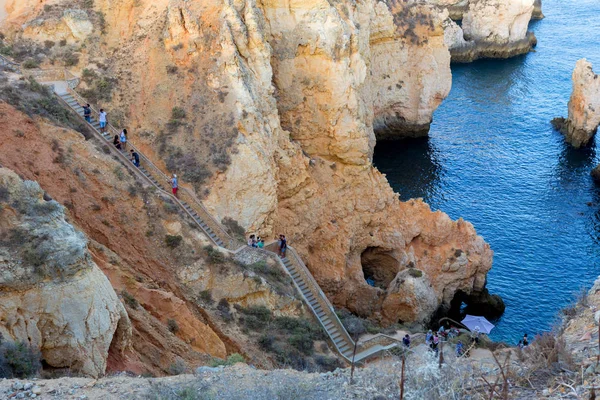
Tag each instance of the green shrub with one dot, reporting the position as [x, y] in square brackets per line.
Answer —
[130, 300]
[178, 367]
[70, 59]
[231, 360]
[328, 363]
[173, 241]
[215, 257]
[178, 113]
[234, 228]
[302, 343]
[18, 360]
[206, 297]
[172, 326]
[30, 63]
[415, 273]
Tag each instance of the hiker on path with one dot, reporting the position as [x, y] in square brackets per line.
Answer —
[260, 244]
[429, 338]
[174, 184]
[102, 120]
[135, 158]
[252, 241]
[117, 142]
[525, 340]
[459, 349]
[87, 113]
[123, 139]
[406, 340]
[282, 245]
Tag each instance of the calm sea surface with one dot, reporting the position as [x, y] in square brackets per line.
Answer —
[494, 159]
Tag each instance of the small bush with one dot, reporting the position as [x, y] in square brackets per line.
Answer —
[178, 113]
[224, 310]
[415, 273]
[328, 363]
[19, 360]
[130, 300]
[231, 360]
[178, 367]
[118, 171]
[234, 228]
[172, 69]
[173, 241]
[302, 343]
[172, 326]
[70, 59]
[30, 63]
[206, 297]
[133, 190]
[215, 257]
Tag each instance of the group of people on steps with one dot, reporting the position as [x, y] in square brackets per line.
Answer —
[258, 242]
[120, 142]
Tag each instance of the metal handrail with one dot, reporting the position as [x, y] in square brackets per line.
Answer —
[225, 237]
[161, 176]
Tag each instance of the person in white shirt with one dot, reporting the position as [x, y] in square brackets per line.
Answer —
[102, 120]
[123, 139]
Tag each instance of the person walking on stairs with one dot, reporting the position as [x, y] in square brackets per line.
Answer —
[174, 185]
[135, 158]
[102, 120]
[87, 113]
[123, 139]
[117, 142]
[282, 246]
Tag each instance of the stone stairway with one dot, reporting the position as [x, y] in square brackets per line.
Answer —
[325, 315]
[292, 263]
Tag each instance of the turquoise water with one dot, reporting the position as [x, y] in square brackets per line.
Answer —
[494, 159]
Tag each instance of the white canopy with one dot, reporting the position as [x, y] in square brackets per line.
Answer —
[481, 324]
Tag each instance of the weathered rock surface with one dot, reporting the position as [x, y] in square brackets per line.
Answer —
[52, 295]
[299, 88]
[72, 26]
[584, 106]
[409, 68]
[493, 29]
[456, 8]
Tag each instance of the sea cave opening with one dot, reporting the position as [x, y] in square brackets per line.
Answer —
[379, 266]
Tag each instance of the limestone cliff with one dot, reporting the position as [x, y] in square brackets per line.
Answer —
[584, 106]
[456, 8]
[52, 295]
[282, 105]
[491, 29]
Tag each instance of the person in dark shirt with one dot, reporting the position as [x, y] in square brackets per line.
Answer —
[135, 158]
[87, 113]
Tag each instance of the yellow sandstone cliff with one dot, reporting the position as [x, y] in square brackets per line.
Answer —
[283, 103]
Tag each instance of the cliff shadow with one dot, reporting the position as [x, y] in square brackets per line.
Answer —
[411, 166]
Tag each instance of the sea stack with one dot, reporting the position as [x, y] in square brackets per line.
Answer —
[492, 29]
[584, 107]
[537, 10]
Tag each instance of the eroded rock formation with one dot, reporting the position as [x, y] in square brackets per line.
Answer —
[52, 295]
[287, 95]
[584, 106]
[492, 29]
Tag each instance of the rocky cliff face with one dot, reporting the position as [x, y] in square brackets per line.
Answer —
[492, 29]
[283, 103]
[584, 106]
[52, 295]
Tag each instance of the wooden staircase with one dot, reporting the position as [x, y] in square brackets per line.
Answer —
[192, 206]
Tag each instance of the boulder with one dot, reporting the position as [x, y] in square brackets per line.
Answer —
[52, 295]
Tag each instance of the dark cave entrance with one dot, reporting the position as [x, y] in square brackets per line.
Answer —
[379, 266]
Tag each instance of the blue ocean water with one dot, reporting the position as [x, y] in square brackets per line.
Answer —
[493, 158]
